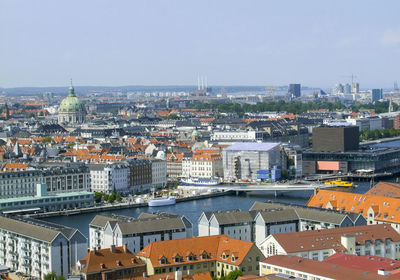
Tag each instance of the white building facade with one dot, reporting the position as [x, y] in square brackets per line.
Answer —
[37, 249]
[109, 177]
[159, 172]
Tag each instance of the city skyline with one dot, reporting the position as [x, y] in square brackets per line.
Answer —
[171, 43]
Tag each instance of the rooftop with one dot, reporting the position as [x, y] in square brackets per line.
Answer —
[249, 146]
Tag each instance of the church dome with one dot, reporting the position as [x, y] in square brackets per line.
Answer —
[71, 103]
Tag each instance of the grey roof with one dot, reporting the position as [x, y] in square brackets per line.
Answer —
[248, 146]
[101, 221]
[233, 217]
[306, 213]
[275, 216]
[151, 225]
[67, 231]
[146, 215]
[31, 230]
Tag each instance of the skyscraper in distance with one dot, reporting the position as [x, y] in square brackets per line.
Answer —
[294, 90]
[376, 94]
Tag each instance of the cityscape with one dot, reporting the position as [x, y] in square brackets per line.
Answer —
[184, 141]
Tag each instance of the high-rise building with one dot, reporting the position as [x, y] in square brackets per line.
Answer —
[339, 88]
[355, 87]
[294, 90]
[347, 88]
[376, 94]
[335, 139]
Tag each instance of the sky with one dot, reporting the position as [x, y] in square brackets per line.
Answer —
[170, 42]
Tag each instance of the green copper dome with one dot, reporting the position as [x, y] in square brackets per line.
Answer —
[71, 103]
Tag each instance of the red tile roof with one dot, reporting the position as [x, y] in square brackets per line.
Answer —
[313, 240]
[320, 268]
[211, 247]
[364, 263]
[106, 259]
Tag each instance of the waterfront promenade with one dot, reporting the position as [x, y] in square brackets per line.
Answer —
[119, 206]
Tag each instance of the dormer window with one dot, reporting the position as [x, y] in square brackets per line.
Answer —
[163, 260]
[177, 258]
[190, 257]
[204, 255]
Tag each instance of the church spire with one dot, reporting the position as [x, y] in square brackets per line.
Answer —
[71, 91]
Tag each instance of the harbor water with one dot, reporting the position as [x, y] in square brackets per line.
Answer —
[191, 209]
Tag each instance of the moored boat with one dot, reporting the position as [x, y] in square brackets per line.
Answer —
[201, 181]
[161, 201]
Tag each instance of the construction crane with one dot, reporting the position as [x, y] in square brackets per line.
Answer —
[271, 92]
[350, 76]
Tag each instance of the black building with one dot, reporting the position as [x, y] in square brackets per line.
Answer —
[294, 90]
[335, 138]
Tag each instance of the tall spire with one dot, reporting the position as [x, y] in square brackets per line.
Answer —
[71, 91]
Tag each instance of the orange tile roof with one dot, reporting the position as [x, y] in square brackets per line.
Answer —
[172, 156]
[212, 247]
[386, 209]
[14, 166]
[206, 157]
[320, 268]
[106, 259]
[385, 189]
[312, 240]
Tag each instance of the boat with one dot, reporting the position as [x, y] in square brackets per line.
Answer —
[161, 201]
[339, 183]
[201, 182]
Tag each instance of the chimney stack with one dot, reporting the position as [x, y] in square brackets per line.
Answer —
[125, 247]
[112, 248]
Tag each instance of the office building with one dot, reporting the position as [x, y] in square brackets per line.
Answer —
[60, 179]
[42, 201]
[242, 160]
[376, 94]
[335, 138]
[294, 90]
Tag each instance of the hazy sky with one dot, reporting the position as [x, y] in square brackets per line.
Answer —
[165, 42]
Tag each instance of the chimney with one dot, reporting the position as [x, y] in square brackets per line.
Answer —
[178, 275]
[112, 248]
[125, 247]
[94, 251]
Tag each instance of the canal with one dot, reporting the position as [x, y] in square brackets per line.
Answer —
[191, 209]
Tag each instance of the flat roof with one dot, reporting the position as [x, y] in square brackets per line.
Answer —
[57, 195]
[252, 146]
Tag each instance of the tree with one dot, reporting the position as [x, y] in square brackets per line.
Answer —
[60, 277]
[106, 197]
[118, 197]
[47, 139]
[70, 145]
[97, 197]
[112, 197]
[233, 275]
[50, 276]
